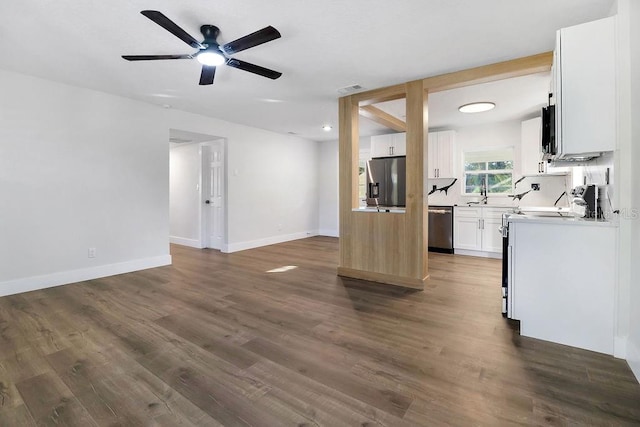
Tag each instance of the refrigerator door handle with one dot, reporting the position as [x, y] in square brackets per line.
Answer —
[374, 190]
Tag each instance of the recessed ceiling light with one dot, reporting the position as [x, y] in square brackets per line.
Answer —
[326, 128]
[477, 107]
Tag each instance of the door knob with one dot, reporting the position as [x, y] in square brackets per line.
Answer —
[207, 201]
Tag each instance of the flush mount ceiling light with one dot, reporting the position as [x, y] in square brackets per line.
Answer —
[476, 107]
[326, 128]
[211, 57]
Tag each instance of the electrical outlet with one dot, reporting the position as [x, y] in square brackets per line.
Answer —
[535, 187]
[91, 253]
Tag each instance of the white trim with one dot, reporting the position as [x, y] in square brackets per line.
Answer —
[483, 254]
[33, 283]
[328, 232]
[192, 243]
[633, 358]
[241, 246]
[620, 347]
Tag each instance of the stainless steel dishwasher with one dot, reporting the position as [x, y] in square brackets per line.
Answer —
[441, 229]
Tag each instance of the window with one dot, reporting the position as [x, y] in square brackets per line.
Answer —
[492, 167]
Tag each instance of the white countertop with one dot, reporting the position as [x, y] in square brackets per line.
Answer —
[562, 220]
[477, 205]
[379, 210]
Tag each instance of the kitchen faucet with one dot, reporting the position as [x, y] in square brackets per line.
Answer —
[483, 192]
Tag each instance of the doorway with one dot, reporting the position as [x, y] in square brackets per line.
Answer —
[197, 190]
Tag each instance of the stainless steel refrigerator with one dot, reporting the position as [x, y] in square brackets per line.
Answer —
[386, 181]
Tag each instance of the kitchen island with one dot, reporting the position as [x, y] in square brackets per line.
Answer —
[562, 274]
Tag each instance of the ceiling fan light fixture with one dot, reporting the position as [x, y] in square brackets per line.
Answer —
[211, 58]
[476, 107]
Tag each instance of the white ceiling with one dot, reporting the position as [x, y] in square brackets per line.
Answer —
[325, 46]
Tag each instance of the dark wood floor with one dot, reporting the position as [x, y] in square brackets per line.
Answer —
[217, 339]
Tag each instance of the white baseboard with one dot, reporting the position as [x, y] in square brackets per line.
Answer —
[33, 283]
[328, 232]
[241, 246]
[633, 358]
[192, 243]
[620, 347]
[482, 254]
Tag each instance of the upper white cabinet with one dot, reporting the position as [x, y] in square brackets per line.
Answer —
[584, 80]
[389, 145]
[531, 162]
[440, 154]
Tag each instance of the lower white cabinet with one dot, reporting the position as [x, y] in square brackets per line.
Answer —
[477, 229]
[562, 281]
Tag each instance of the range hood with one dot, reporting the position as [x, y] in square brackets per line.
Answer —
[573, 158]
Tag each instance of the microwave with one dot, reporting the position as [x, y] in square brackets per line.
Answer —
[549, 142]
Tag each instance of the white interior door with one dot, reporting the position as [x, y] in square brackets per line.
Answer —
[213, 193]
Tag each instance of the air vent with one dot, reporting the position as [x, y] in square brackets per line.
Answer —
[349, 89]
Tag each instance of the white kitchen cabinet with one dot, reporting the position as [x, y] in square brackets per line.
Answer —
[440, 154]
[467, 233]
[531, 162]
[491, 235]
[389, 145]
[476, 229]
[562, 281]
[585, 86]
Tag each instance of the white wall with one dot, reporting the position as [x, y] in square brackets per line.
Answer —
[272, 181]
[184, 195]
[629, 197]
[489, 136]
[78, 169]
[328, 191]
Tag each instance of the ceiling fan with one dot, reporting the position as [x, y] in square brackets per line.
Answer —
[210, 54]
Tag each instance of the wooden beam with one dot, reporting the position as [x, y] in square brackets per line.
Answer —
[416, 218]
[489, 73]
[348, 149]
[471, 76]
[383, 118]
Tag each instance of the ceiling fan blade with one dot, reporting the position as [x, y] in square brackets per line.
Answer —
[154, 57]
[255, 69]
[172, 27]
[207, 75]
[254, 39]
